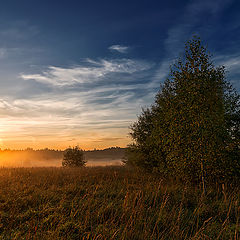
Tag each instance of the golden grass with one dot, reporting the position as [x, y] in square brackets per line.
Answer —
[112, 203]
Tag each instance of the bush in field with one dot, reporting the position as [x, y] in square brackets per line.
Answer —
[192, 130]
[73, 157]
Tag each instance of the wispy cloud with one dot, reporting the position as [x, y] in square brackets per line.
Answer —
[95, 101]
[94, 71]
[119, 48]
[83, 117]
[231, 62]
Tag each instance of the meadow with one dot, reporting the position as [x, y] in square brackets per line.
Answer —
[112, 203]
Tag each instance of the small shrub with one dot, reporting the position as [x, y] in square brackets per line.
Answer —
[73, 157]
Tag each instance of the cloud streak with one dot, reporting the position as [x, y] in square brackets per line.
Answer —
[119, 48]
[94, 71]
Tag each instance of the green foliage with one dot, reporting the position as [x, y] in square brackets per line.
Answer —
[73, 157]
[112, 203]
[193, 127]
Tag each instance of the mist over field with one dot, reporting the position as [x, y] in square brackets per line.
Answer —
[53, 158]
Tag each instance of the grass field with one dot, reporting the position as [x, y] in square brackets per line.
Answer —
[112, 203]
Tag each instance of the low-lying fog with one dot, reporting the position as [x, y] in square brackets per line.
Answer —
[53, 158]
[21, 162]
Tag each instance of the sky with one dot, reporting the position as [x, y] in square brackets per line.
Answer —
[79, 72]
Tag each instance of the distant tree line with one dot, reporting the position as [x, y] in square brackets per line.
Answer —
[192, 131]
[49, 154]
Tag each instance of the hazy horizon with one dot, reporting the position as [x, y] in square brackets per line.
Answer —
[53, 158]
[57, 149]
[18, 163]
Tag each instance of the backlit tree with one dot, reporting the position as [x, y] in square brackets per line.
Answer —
[192, 129]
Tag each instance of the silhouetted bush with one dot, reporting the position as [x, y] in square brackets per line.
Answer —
[73, 157]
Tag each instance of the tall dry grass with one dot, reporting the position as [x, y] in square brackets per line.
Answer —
[112, 203]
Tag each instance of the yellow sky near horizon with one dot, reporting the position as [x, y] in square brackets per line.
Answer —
[61, 145]
[40, 135]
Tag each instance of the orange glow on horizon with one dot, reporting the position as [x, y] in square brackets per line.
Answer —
[60, 145]
[46, 133]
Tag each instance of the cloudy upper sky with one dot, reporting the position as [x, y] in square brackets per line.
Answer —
[79, 72]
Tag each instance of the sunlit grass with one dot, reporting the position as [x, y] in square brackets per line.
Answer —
[112, 203]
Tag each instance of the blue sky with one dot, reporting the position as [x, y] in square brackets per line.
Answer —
[79, 72]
